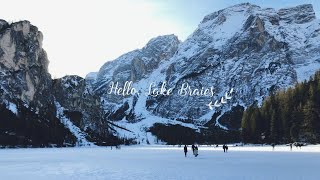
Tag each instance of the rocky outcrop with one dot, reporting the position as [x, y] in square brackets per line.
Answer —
[299, 14]
[24, 66]
[73, 94]
[61, 112]
[133, 66]
[137, 64]
[25, 89]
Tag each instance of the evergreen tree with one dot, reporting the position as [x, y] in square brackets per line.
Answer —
[286, 116]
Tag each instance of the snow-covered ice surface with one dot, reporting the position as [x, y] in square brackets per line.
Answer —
[161, 162]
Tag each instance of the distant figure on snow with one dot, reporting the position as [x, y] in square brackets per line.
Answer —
[225, 148]
[193, 148]
[273, 145]
[185, 150]
[290, 146]
[298, 144]
[195, 151]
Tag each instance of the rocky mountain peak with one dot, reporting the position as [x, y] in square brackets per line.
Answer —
[24, 64]
[162, 43]
[299, 14]
[137, 64]
[254, 50]
[26, 89]
[219, 17]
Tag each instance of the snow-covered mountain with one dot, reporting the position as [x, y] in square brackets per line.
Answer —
[253, 50]
[244, 48]
[36, 110]
[27, 109]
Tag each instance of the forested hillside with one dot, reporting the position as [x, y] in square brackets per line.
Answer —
[286, 116]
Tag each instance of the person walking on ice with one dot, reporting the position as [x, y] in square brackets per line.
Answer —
[195, 151]
[193, 146]
[185, 150]
[225, 148]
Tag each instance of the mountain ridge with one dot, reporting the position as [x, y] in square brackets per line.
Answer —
[253, 50]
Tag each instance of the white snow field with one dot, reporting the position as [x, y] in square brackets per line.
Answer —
[161, 162]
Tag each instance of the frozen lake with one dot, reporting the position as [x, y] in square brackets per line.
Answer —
[161, 162]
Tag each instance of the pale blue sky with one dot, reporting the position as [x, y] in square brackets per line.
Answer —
[81, 35]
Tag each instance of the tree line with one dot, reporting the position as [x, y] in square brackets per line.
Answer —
[286, 116]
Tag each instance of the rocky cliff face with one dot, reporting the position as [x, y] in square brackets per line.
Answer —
[27, 102]
[24, 66]
[133, 66]
[39, 111]
[255, 51]
[73, 94]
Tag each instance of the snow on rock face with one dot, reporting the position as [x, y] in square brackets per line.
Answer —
[299, 14]
[24, 66]
[133, 66]
[76, 131]
[12, 107]
[136, 64]
[26, 86]
[299, 29]
[91, 77]
[253, 50]
[74, 95]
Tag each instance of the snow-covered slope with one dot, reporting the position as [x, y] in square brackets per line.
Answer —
[253, 50]
[76, 131]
